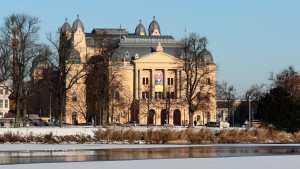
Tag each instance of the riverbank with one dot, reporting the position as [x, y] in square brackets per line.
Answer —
[144, 135]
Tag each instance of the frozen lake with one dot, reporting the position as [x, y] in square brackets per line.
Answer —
[27, 153]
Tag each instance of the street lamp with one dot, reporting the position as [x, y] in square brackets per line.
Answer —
[148, 106]
[50, 108]
[249, 101]
[168, 105]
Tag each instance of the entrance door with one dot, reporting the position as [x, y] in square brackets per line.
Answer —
[177, 117]
[74, 118]
[163, 117]
[151, 117]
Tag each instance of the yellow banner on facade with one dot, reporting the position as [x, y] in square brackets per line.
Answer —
[12, 104]
[159, 88]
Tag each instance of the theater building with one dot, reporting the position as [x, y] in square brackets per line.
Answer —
[150, 71]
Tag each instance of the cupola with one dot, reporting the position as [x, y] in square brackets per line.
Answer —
[154, 28]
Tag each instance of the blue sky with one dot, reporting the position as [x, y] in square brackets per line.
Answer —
[248, 39]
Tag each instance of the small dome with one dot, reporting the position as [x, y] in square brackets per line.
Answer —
[66, 27]
[206, 56]
[77, 24]
[40, 61]
[140, 29]
[74, 57]
[154, 28]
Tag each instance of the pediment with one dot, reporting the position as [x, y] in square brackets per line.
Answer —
[157, 57]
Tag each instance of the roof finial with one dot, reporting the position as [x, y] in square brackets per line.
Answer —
[154, 18]
[159, 48]
[66, 19]
[140, 21]
[77, 16]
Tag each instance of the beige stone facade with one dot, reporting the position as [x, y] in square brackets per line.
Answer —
[152, 82]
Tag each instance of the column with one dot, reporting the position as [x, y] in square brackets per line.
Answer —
[140, 83]
[136, 89]
[152, 84]
[165, 82]
[177, 83]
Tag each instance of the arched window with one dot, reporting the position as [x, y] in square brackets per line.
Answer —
[74, 97]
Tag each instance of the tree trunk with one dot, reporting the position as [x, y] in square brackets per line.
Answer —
[17, 119]
[60, 120]
[191, 116]
[104, 115]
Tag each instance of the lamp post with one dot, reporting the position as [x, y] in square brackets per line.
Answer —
[168, 106]
[249, 112]
[50, 108]
[148, 106]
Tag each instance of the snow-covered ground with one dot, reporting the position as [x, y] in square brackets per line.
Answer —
[258, 162]
[80, 130]
[24, 131]
[250, 162]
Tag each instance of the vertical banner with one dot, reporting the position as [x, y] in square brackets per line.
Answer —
[159, 86]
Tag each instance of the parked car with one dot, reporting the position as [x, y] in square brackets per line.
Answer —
[212, 124]
[132, 123]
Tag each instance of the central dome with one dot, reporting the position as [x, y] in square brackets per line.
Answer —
[140, 29]
[77, 24]
[154, 28]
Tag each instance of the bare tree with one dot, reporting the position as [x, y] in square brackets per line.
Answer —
[104, 78]
[19, 46]
[78, 103]
[69, 69]
[227, 93]
[252, 97]
[198, 84]
[5, 61]
[255, 92]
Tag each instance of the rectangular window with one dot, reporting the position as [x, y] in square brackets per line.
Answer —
[1, 103]
[158, 95]
[117, 96]
[145, 80]
[6, 103]
[1, 91]
[208, 81]
[145, 95]
[170, 81]
[172, 95]
[198, 117]
[6, 91]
